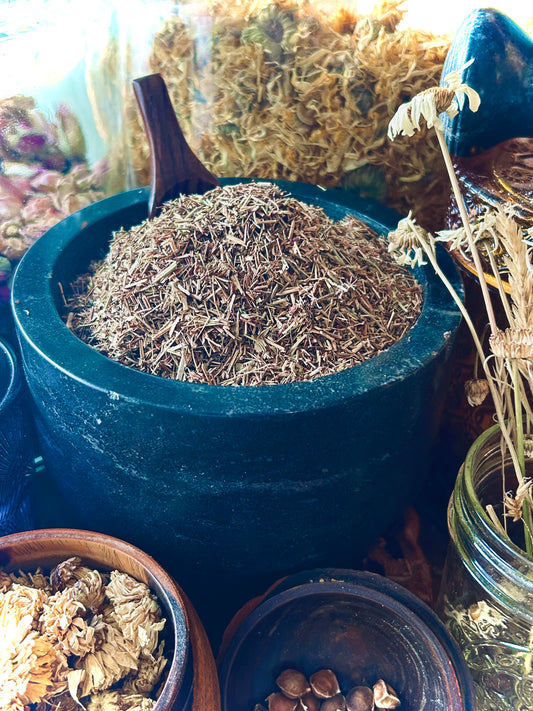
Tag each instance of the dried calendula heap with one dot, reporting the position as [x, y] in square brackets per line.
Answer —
[66, 639]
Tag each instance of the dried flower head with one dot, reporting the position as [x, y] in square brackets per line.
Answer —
[513, 343]
[430, 103]
[31, 669]
[408, 242]
[476, 390]
[514, 504]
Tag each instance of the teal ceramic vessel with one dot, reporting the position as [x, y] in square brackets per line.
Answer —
[228, 486]
[502, 74]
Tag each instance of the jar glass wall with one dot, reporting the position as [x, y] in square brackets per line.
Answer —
[58, 115]
[486, 596]
[292, 90]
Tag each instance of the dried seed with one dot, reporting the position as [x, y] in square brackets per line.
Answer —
[279, 702]
[293, 683]
[384, 696]
[309, 702]
[360, 698]
[335, 703]
[324, 683]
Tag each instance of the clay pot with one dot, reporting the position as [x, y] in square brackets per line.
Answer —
[361, 626]
[191, 684]
[235, 484]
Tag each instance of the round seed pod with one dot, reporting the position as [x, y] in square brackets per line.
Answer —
[360, 698]
[293, 683]
[324, 684]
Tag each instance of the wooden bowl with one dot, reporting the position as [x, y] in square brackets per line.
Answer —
[360, 625]
[191, 681]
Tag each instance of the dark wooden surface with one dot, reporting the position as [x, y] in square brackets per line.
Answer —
[175, 169]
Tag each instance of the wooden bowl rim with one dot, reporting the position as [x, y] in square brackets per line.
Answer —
[159, 581]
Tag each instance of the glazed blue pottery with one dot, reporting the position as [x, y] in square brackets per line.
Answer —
[502, 74]
[228, 487]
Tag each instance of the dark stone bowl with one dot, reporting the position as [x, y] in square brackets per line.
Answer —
[360, 625]
[237, 485]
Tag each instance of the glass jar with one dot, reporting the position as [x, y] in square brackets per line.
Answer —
[59, 99]
[486, 595]
[293, 90]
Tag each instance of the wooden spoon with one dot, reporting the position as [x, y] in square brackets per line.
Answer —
[175, 169]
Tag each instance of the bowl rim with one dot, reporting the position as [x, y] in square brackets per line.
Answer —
[13, 380]
[160, 583]
[382, 592]
[40, 327]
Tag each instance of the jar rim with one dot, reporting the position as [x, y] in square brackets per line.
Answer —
[468, 512]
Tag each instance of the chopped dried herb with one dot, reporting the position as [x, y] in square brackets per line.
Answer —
[244, 285]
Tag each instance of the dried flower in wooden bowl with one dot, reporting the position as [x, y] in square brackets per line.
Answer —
[81, 631]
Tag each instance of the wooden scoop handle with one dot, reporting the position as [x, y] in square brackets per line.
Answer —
[175, 170]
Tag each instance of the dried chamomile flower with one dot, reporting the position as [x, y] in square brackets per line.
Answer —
[430, 103]
[30, 668]
[66, 573]
[26, 672]
[476, 390]
[62, 621]
[113, 658]
[135, 611]
[21, 602]
[272, 29]
[89, 590]
[408, 242]
[149, 672]
[513, 504]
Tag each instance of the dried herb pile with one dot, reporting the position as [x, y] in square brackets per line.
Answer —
[78, 638]
[284, 90]
[244, 285]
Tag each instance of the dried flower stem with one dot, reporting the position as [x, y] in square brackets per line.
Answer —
[498, 404]
[466, 223]
[526, 508]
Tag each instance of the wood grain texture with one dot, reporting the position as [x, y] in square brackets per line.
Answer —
[47, 547]
[175, 169]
